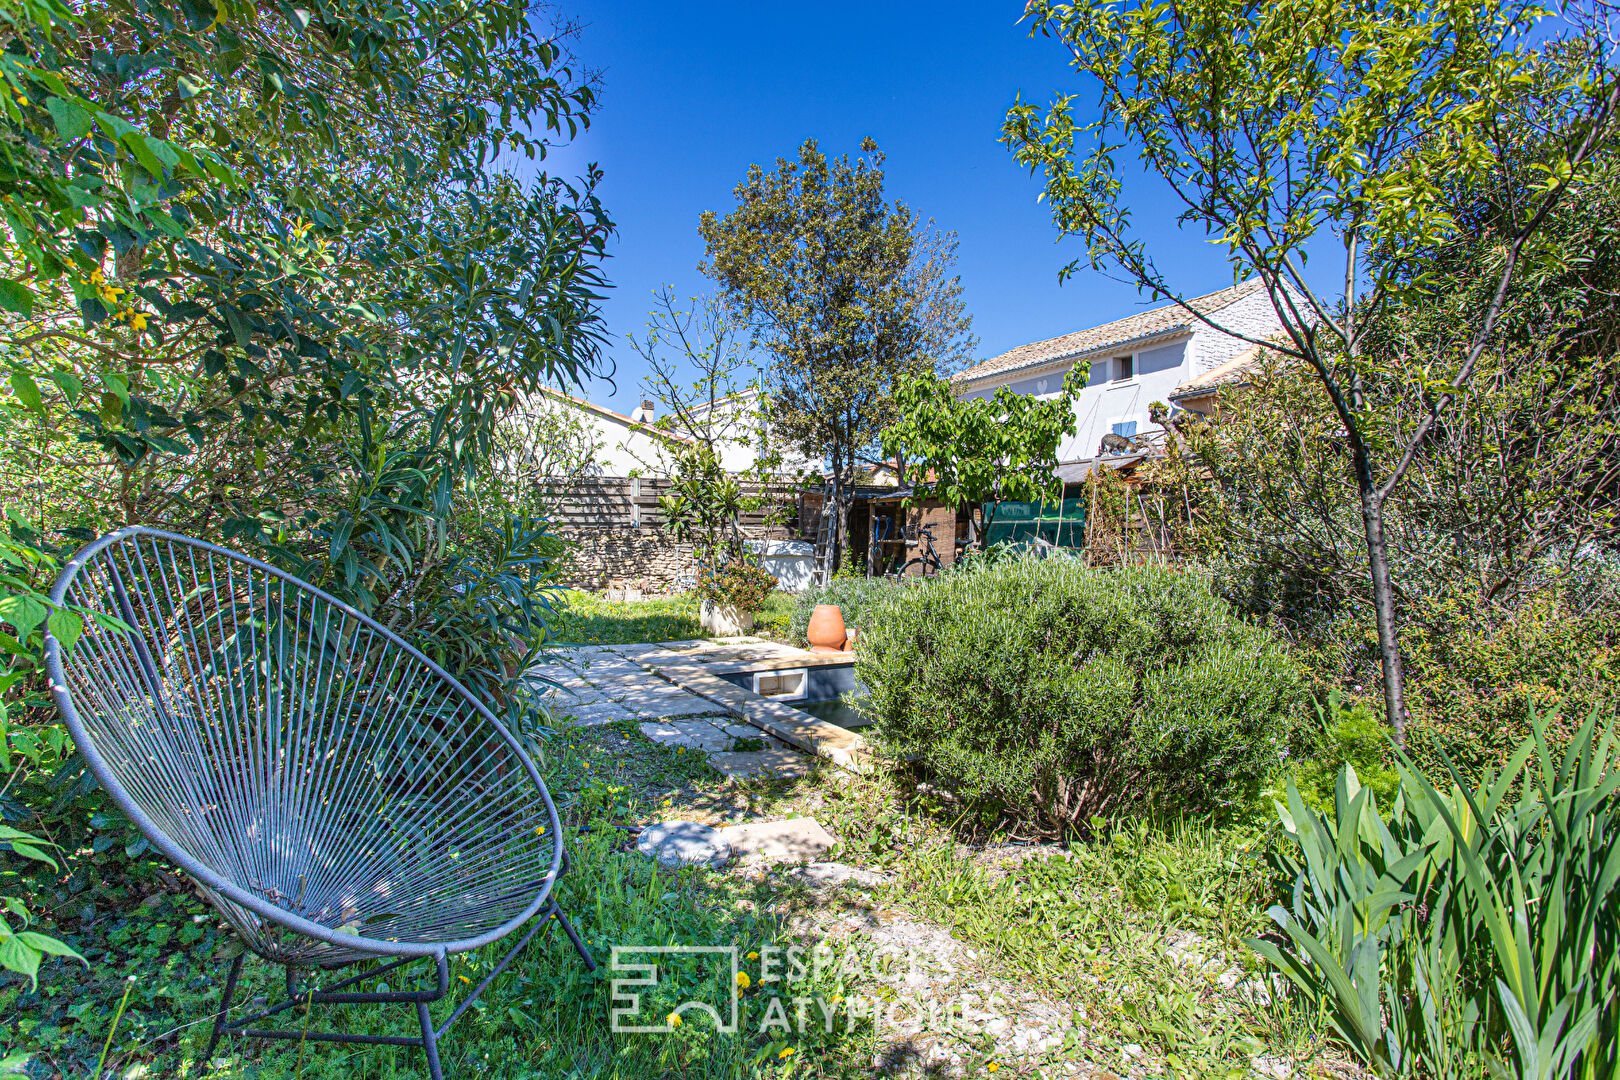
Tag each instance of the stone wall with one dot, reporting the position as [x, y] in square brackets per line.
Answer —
[633, 557]
[626, 557]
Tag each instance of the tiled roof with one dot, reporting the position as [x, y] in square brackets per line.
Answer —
[617, 417]
[1221, 374]
[1151, 323]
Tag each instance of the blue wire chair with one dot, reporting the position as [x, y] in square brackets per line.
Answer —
[338, 796]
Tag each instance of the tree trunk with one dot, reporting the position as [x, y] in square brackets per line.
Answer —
[1389, 645]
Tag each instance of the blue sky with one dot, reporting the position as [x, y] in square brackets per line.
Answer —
[695, 92]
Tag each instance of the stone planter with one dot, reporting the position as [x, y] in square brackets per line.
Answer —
[723, 620]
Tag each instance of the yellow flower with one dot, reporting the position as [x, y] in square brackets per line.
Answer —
[95, 276]
[464, 979]
[743, 980]
[787, 1052]
[751, 955]
[138, 321]
[837, 998]
[539, 830]
[992, 1067]
[673, 1019]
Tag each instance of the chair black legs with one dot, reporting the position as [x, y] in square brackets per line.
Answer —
[334, 995]
[430, 1041]
[225, 1004]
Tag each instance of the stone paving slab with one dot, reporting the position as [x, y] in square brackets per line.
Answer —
[663, 700]
[689, 734]
[793, 840]
[744, 765]
[604, 712]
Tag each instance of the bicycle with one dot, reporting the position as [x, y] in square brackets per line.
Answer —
[928, 558]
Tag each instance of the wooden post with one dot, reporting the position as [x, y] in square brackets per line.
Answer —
[635, 505]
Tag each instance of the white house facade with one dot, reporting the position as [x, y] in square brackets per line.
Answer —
[1130, 364]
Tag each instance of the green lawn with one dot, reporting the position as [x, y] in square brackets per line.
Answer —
[546, 1016]
[585, 618]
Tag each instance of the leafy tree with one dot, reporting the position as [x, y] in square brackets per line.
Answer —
[981, 451]
[1291, 129]
[846, 293]
[263, 280]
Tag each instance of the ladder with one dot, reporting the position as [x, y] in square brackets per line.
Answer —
[826, 535]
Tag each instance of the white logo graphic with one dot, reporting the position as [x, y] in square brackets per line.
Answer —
[627, 1003]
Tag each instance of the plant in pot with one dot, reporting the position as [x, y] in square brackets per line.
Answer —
[729, 596]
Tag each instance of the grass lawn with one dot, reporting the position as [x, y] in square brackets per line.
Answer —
[1123, 955]
[585, 618]
[1129, 951]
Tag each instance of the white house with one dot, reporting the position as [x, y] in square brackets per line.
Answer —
[624, 445]
[1131, 363]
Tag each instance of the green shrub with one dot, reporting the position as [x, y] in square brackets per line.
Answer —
[1478, 673]
[1055, 692]
[857, 597]
[742, 585]
[1350, 734]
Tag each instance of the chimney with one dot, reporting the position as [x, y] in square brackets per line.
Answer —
[647, 411]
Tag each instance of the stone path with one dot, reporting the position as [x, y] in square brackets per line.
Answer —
[601, 684]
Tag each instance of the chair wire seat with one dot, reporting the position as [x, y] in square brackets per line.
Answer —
[334, 792]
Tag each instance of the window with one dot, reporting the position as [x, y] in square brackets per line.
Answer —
[1124, 368]
[1125, 429]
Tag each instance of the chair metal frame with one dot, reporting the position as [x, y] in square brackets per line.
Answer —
[352, 947]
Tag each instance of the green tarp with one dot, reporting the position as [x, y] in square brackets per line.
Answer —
[1057, 522]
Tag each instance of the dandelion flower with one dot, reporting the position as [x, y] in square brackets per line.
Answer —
[751, 955]
[673, 1020]
[464, 979]
[743, 980]
[992, 1067]
[787, 1052]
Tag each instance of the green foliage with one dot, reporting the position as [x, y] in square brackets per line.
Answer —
[1475, 927]
[706, 505]
[1381, 132]
[1350, 735]
[1483, 671]
[847, 294]
[980, 451]
[1054, 693]
[741, 585]
[856, 595]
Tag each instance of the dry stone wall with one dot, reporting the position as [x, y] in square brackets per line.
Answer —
[626, 557]
[631, 557]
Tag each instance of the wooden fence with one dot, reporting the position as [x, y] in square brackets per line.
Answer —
[619, 502]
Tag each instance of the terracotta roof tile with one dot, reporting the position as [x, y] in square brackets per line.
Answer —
[1159, 320]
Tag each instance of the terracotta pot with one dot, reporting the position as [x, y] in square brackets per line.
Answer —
[826, 628]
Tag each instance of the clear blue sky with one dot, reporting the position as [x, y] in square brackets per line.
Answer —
[695, 92]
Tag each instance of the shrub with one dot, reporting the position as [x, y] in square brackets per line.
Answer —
[1055, 692]
[1351, 735]
[742, 585]
[857, 597]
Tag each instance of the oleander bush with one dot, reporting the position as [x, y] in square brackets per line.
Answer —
[1052, 692]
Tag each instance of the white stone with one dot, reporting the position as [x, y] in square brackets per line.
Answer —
[836, 873]
[793, 840]
[683, 843]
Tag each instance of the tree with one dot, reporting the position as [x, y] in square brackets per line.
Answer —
[1288, 129]
[981, 451]
[845, 293]
[718, 413]
[723, 408]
